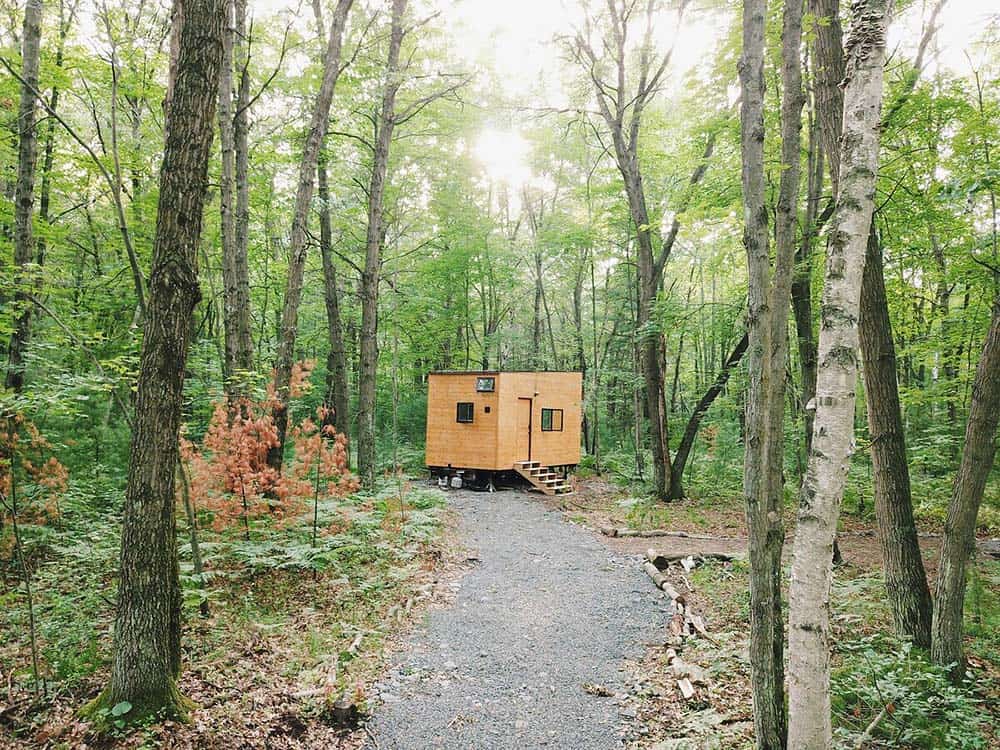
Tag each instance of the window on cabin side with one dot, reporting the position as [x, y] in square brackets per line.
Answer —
[486, 385]
[465, 412]
[552, 420]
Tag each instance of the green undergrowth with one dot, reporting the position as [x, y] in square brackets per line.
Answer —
[301, 602]
[884, 683]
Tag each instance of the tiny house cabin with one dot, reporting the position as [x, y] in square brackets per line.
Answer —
[481, 423]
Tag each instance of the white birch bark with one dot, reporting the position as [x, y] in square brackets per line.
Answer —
[809, 725]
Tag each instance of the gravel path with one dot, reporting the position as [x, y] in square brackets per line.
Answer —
[546, 609]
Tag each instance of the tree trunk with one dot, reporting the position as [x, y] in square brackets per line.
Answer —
[767, 346]
[24, 193]
[48, 151]
[336, 397]
[238, 359]
[967, 492]
[146, 658]
[786, 219]
[691, 431]
[905, 579]
[300, 219]
[373, 255]
[828, 71]
[802, 288]
[833, 434]
[244, 355]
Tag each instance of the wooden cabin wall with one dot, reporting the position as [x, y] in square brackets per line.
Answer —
[555, 390]
[462, 445]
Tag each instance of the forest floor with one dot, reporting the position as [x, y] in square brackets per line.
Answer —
[293, 626]
[465, 619]
[717, 592]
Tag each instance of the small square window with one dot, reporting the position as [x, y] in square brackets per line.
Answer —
[486, 385]
[552, 420]
[465, 412]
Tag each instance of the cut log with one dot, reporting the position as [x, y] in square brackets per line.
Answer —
[652, 533]
[673, 593]
[677, 625]
[686, 688]
[662, 560]
[653, 572]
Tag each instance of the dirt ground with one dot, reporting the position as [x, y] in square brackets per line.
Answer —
[719, 715]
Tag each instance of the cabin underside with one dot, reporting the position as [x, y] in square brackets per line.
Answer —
[549, 480]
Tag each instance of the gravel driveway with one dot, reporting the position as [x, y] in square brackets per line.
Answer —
[546, 609]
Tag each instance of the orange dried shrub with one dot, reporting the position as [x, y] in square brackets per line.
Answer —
[25, 459]
[318, 463]
[229, 473]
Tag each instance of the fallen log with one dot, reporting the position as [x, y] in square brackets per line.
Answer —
[662, 560]
[664, 585]
[650, 533]
[653, 572]
[674, 594]
[990, 547]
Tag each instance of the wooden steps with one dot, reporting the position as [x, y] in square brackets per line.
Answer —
[543, 478]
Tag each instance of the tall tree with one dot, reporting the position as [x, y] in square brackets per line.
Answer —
[978, 453]
[833, 430]
[370, 274]
[300, 220]
[24, 192]
[336, 399]
[233, 192]
[767, 319]
[621, 109]
[146, 660]
[905, 578]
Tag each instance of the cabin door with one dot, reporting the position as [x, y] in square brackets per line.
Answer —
[523, 429]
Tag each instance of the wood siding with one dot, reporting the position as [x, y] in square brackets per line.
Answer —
[493, 440]
[462, 445]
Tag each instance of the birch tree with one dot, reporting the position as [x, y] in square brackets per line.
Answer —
[833, 429]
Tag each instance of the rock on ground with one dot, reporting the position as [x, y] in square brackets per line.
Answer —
[546, 611]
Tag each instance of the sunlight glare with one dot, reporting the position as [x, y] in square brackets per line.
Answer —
[503, 155]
